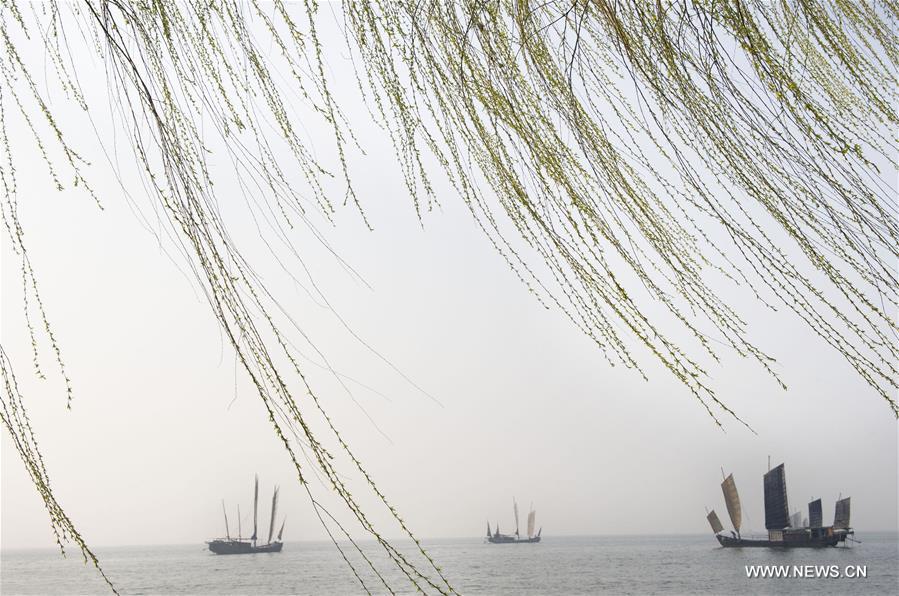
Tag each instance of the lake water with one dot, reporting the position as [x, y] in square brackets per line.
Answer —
[558, 565]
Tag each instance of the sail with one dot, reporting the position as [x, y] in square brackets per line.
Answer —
[841, 515]
[255, 506]
[488, 529]
[225, 511]
[515, 508]
[532, 518]
[717, 528]
[271, 526]
[732, 500]
[281, 531]
[815, 516]
[777, 513]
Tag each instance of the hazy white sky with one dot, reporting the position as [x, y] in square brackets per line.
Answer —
[165, 424]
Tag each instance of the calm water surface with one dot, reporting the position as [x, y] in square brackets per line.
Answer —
[562, 565]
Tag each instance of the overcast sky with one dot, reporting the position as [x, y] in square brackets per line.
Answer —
[165, 425]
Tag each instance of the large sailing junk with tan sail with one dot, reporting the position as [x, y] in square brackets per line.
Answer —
[240, 546]
[496, 537]
[784, 530]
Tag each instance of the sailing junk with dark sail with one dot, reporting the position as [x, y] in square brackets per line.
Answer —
[784, 530]
[498, 538]
[228, 546]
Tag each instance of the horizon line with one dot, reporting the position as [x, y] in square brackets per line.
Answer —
[398, 539]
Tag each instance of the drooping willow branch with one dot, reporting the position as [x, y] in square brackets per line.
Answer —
[638, 147]
[18, 425]
[618, 155]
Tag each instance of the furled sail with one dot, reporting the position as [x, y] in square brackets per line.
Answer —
[271, 526]
[841, 515]
[815, 516]
[515, 508]
[717, 528]
[255, 506]
[777, 513]
[732, 500]
[532, 518]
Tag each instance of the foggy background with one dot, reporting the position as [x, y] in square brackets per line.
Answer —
[164, 423]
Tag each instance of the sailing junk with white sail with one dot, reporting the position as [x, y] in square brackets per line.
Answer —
[784, 530]
[498, 538]
[229, 546]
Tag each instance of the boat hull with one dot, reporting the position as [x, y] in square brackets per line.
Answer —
[797, 540]
[240, 547]
[512, 540]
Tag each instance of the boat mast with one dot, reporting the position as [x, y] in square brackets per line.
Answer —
[239, 532]
[227, 531]
[255, 507]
